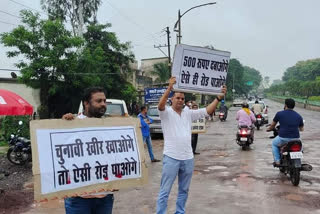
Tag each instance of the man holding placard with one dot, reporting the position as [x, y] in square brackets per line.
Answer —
[94, 103]
[178, 159]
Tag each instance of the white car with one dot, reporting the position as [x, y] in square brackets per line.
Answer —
[264, 112]
[114, 108]
[237, 102]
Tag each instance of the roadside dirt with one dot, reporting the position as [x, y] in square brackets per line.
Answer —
[16, 195]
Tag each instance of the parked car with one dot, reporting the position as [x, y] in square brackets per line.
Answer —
[114, 108]
[155, 126]
[264, 112]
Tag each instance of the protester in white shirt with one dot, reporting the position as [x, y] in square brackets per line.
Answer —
[178, 160]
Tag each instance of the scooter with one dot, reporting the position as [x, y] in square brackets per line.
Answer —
[259, 121]
[222, 116]
[244, 137]
[19, 152]
[290, 159]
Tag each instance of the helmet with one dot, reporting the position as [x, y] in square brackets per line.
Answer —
[222, 101]
[245, 105]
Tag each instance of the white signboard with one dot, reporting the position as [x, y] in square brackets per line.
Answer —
[79, 159]
[199, 126]
[86, 156]
[200, 70]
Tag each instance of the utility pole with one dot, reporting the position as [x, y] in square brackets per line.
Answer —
[168, 38]
[179, 31]
[161, 46]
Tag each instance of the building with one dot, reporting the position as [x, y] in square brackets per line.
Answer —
[147, 66]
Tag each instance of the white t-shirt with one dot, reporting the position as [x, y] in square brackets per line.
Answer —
[177, 131]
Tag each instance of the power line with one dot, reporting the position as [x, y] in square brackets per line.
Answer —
[23, 5]
[8, 23]
[1, 11]
[131, 20]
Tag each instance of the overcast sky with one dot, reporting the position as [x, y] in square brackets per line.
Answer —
[269, 36]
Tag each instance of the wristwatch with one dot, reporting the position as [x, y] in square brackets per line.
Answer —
[218, 99]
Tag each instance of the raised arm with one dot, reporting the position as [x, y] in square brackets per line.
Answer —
[212, 107]
[165, 96]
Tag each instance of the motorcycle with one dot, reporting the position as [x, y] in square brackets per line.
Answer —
[244, 136]
[259, 121]
[222, 116]
[290, 159]
[19, 152]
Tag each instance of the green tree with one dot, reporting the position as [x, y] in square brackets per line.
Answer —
[235, 78]
[80, 12]
[162, 71]
[251, 75]
[105, 62]
[303, 70]
[48, 52]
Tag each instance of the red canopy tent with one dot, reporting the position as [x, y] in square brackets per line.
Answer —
[13, 104]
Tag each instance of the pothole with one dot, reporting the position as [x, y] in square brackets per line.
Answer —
[312, 193]
[293, 197]
[216, 167]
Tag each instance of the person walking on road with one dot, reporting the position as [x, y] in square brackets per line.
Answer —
[178, 160]
[194, 137]
[145, 120]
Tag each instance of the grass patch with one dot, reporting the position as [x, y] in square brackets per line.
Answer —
[3, 143]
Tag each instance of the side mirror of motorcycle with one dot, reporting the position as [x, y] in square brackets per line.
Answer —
[20, 123]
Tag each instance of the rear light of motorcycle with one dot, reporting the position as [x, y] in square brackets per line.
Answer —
[266, 111]
[244, 132]
[295, 148]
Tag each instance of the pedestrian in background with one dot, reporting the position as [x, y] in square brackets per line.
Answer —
[145, 120]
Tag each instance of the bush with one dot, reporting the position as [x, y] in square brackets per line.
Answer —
[10, 125]
[314, 98]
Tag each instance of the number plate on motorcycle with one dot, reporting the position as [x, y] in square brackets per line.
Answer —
[243, 139]
[259, 119]
[296, 155]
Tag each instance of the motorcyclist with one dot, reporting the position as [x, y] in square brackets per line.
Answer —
[245, 116]
[257, 108]
[290, 124]
[223, 108]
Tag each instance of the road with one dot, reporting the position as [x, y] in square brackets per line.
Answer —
[229, 180]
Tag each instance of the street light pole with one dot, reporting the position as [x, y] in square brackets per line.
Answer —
[179, 20]
[179, 37]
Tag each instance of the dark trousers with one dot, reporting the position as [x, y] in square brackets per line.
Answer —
[77, 205]
[194, 141]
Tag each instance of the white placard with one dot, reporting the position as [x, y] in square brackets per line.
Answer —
[199, 126]
[79, 157]
[200, 70]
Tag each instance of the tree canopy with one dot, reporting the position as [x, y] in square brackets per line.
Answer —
[302, 79]
[52, 63]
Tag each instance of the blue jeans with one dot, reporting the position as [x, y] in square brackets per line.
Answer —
[172, 168]
[147, 140]
[78, 205]
[277, 143]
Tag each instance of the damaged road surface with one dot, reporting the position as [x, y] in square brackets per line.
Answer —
[227, 179]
